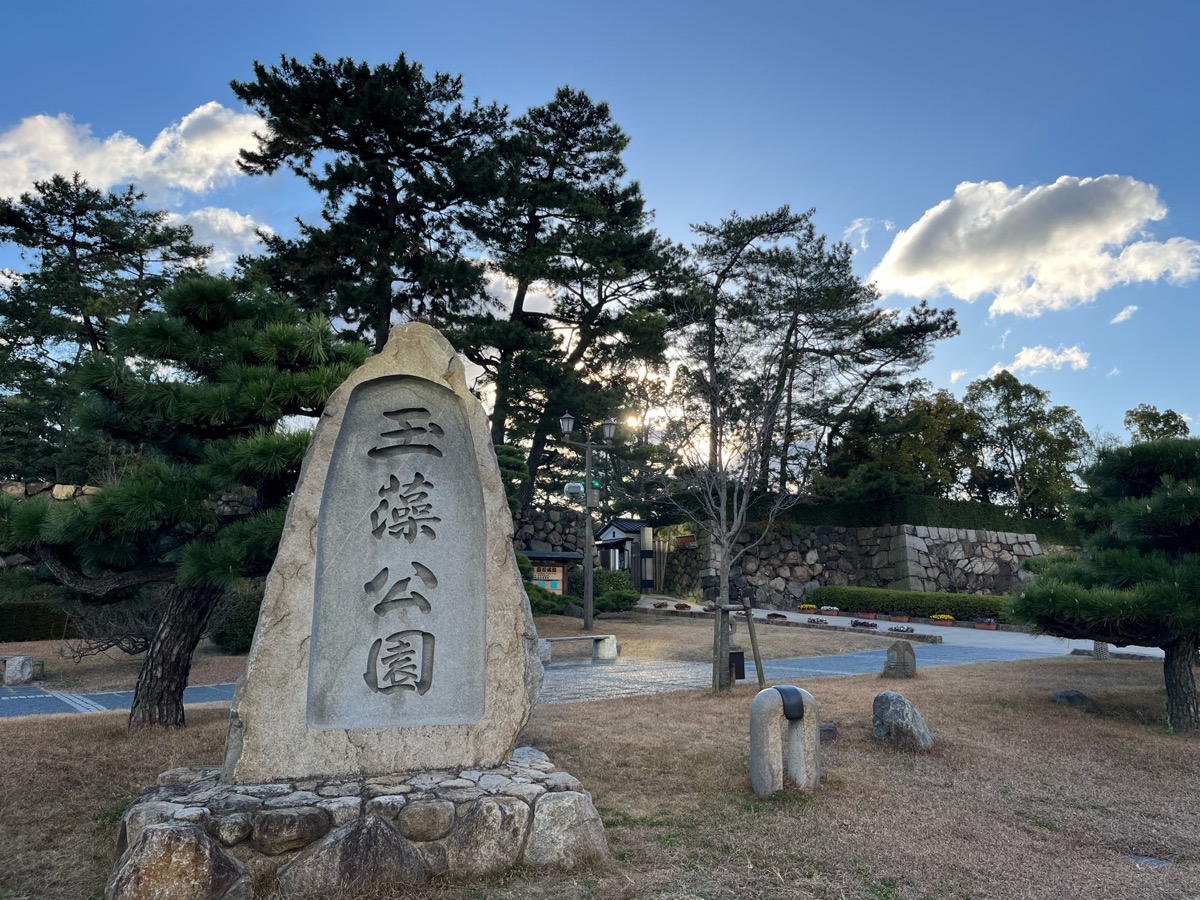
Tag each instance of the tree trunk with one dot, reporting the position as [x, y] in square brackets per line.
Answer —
[158, 697]
[1183, 712]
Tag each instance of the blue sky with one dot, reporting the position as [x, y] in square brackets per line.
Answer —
[1032, 165]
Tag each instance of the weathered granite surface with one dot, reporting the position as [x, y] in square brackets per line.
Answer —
[323, 835]
[394, 633]
[896, 722]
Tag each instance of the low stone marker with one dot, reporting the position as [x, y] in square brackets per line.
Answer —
[17, 669]
[1076, 700]
[395, 660]
[775, 752]
[896, 722]
[901, 661]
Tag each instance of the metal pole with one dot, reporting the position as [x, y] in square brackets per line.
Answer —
[587, 537]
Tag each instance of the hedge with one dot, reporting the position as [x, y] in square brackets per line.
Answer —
[235, 618]
[34, 620]
[935, 511]
[616, 601]
[543, 602]
[916, 603]
[603, 581]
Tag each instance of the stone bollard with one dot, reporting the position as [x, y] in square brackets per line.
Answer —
[17, 669]
[605, 648]
[769, 747]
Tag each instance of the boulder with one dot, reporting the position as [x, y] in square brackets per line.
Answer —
[567, 831]
[426, 820]
[1076, 700]
[177, 861]
[280, 830]
[367, 854]
[489, 837]
[896, 722]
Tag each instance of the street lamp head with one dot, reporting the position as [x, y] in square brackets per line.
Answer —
[609, 428]
[567, 423]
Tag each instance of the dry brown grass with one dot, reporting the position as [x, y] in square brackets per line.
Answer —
[116, 671]
[690, 640]
[1020, 798]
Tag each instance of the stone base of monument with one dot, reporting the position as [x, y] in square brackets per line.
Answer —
[320, 836]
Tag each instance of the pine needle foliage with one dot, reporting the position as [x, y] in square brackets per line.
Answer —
[207, 396]
[1138, 580]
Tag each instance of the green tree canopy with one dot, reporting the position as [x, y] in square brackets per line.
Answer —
[1148, 424]
[1033, 449]
[200, 390]
[1138, 581]
[400, 163]
[95, 259]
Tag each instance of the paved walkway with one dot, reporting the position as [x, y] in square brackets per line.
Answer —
[572, 682]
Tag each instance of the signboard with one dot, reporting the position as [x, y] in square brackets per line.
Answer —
[551, 576]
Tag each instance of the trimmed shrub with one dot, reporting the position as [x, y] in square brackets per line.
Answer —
[603, 581]
[918, 603]
[33, 610]
[524, 566]
[544, 603]
[34, 620]
[616, 601]
[235, 618]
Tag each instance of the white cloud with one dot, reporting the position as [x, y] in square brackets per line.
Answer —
[856, 232]
[1113, 372]
[957, 375]
[230, 233]
[1004, 337]
[1034, 359]
[194, 155]
[1049, 247]
[1123, 316]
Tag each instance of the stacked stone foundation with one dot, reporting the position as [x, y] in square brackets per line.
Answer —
[314, 836]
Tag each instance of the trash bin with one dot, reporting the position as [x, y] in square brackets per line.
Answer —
[737, 665]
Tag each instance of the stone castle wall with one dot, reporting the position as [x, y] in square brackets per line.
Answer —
[778, 572]
[554, 528]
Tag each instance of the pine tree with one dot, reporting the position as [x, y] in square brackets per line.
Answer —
[1138, 581]
[200, 391]
[399, 162]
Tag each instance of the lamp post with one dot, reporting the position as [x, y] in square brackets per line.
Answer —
[591, 499]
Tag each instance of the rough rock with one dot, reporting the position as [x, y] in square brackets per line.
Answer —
[177, 862]
[426, 820]
[1076, 700]
[140, 815]
[567, 831]
[896, 722]
[230, 829]
[367, 854]
[489, 837]
[279, 830]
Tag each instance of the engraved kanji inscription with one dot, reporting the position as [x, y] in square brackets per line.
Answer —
[404, 510]
[415, 433]
[397, 593]
[402, 661]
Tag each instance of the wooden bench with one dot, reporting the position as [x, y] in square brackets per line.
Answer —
[17, 669]
[604, 646]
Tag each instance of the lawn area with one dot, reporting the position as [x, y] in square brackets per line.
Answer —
[1019, 798]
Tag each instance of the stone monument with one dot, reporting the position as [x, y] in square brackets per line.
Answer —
[901, 661]
[371, 738]
[394, 632]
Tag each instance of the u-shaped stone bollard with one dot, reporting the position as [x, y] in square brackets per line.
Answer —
[772, 752]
